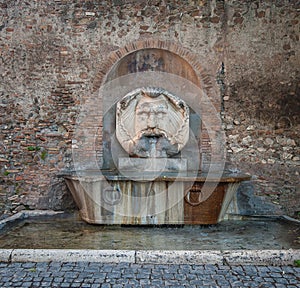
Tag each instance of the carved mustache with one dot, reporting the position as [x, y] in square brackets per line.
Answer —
[153, 132]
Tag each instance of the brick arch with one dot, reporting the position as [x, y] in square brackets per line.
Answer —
[201, 79]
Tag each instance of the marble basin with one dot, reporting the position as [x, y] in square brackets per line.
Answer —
[169, 199]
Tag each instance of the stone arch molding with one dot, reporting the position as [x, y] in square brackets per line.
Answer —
[180, 60]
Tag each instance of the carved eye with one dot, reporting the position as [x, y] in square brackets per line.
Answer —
[142, 117]
[162, 109]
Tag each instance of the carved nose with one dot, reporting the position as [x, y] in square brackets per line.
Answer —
[151, 121]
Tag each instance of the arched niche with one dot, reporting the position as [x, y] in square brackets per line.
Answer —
[143, 60]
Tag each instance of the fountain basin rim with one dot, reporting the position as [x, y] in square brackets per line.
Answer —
[96, 175]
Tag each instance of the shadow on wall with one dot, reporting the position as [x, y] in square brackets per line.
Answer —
[250, 204]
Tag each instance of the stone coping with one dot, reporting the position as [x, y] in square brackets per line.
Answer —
[226, 257]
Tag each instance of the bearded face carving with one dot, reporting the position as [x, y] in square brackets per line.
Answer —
[150, 116]
[151, 122]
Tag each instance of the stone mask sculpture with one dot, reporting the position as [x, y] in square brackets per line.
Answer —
[152, 123]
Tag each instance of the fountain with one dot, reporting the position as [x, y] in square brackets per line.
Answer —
[153, 168]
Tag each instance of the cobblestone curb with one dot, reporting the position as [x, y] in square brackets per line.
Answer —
[233, 257]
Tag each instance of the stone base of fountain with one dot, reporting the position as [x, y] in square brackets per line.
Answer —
[153, 164]
[170, 199]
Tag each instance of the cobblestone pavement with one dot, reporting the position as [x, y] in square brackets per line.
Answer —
[87, 274]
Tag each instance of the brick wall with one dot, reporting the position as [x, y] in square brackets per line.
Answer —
[54, 55]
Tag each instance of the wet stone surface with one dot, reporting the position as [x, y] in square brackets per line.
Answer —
[71, 233]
